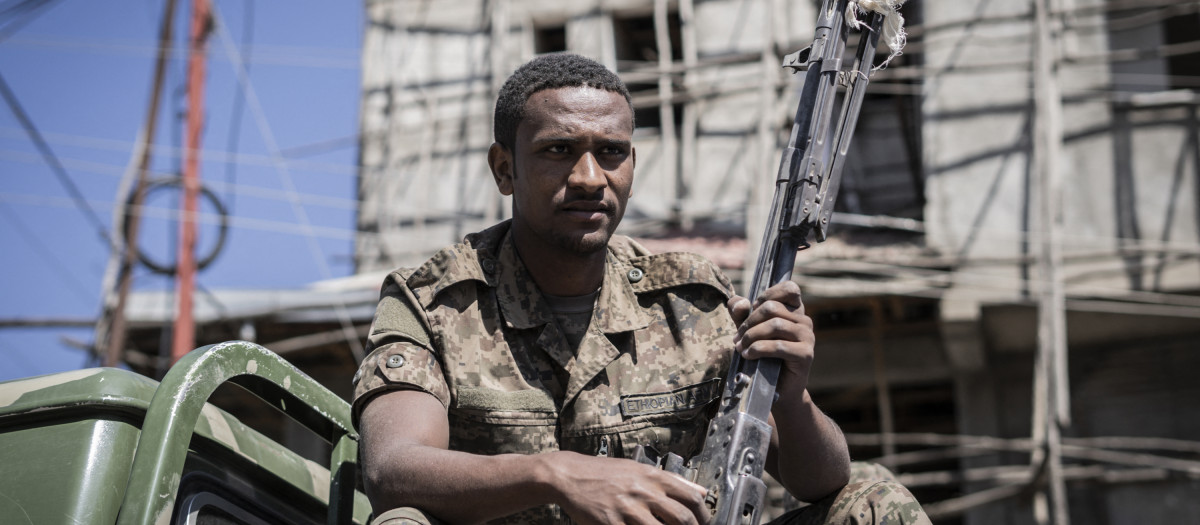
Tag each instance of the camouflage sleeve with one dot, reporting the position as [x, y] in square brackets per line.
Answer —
[401, 355]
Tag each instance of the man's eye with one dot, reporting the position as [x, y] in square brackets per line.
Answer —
[557, 148]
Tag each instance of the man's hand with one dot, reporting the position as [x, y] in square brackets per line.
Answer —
[807, 453]
[777, 327]
[606, 490]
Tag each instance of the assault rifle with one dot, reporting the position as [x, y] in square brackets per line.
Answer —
[735, 449]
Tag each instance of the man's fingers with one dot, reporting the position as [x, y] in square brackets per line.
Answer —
[786, 350]
[739, 308]
[773, 320]
[777, 328]
[783, 299]
[685, 503]
[786, 292]
[774, 310]
[672, 512]
[776, 337]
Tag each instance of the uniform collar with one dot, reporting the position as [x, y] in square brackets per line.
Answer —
[521, 302]
[469, 260]
[523, 305]
[617, 309]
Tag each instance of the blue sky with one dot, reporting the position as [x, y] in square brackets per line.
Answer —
[82, 71]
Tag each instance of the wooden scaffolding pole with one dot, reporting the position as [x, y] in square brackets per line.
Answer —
[1114, 459]
[111, 328]
[689, 152]
[497, 51]
[760, 192]
[883, 396]
[668, 139]
[1051, 390]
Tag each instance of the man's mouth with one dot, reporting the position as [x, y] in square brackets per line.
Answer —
[588, 210]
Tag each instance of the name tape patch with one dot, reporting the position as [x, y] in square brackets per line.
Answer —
[686, 398]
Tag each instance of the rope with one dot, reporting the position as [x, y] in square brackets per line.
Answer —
[893, 35]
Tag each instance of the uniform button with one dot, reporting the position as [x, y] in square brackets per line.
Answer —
[489, 265]
[636, 275]
[395, 361]
[357, 377]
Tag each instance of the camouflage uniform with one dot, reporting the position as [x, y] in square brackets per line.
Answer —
[873, 496]
[471, 328]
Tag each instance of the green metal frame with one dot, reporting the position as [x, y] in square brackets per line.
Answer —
[176, 408]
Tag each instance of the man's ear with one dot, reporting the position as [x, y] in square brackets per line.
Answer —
[633, 160]
[500, 160]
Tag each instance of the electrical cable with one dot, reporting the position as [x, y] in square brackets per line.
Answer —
[250, 223]
[285, 176]
[39, 247]
[97, 168]
[163, 150]
[19, 5]
[294, 56]
[55, 166]
[239, 99]
[222, 227]
[31, 10]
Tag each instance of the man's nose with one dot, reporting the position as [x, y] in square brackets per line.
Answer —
[587, 175]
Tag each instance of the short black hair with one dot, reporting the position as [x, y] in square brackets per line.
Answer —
[557, 70]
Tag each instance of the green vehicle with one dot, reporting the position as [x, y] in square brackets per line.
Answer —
[104, 446]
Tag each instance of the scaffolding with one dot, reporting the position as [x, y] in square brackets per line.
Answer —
[712, 104]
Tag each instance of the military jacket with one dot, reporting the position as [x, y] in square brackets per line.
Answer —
[471, 328]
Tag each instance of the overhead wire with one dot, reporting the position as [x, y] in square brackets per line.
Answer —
[298, 56]
[239, 99]
[1074, 241]
[235, 155]
[176, 152]
[34, 242]
[305, 56]
[285, 176]
[249, 223]
[333, 232]
[28, 11]
[321, 147]
[99, 168]
[51, 159]
[10, 7]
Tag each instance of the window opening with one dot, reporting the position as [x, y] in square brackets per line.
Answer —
[1183, 69]
[550, 39]
[637, 52]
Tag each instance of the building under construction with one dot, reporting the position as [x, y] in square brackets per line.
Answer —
[1007, 306]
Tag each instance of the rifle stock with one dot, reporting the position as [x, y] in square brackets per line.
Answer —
[731, 463]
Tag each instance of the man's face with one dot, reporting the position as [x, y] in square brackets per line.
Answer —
[571, 170]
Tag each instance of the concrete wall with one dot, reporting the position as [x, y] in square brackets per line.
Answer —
[1129, 208]
[425, 126]
[1128, 163]
[1129, 377]
[430, 74]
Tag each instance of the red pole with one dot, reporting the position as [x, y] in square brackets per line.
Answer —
[185, 279]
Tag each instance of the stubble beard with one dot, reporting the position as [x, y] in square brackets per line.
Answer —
[584, 245]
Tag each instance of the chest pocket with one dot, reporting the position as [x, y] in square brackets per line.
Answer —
[667, 420]
[485, 421]
[677, 418]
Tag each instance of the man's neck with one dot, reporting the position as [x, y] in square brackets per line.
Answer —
[560, 272]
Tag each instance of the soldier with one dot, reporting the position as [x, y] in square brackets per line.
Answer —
[512, 373]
